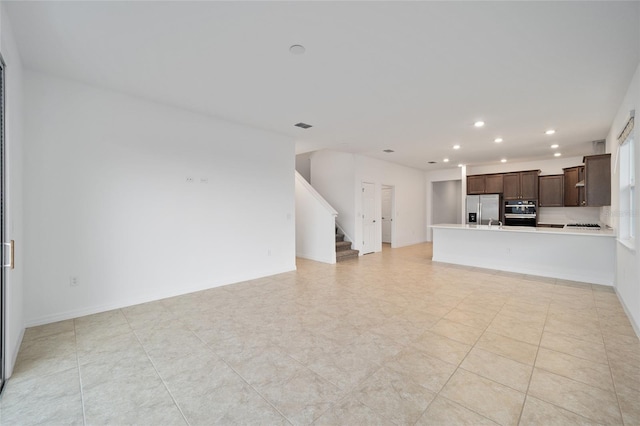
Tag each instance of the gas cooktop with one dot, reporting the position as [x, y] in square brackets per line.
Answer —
[592, 226]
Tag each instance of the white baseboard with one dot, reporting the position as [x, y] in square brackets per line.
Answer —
[11, 362]
[95, 309]
[636, 326]
[315, 258]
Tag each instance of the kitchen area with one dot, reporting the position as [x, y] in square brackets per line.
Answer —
[534, 223]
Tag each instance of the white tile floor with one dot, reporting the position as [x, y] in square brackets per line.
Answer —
[389, 338]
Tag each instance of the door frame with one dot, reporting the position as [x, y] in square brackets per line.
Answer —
[3, 223]
[393, 212]
[373, 244]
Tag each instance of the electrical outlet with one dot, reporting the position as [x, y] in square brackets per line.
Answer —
[189, 179]
[204, 180]
[73, 281]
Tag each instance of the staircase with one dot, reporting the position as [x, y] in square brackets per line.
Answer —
[343, 249]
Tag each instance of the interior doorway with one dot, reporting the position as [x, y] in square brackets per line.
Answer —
[368, 218]
[386, 200]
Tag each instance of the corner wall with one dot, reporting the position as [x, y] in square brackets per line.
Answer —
[108, 200]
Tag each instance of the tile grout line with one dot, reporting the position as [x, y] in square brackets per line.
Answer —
[561, 375]
[75, 338]
[535, 359]
[156, 369]
[606, 352]
[461, 361]
[240, 375]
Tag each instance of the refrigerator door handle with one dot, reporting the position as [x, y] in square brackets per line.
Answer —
[479, 214]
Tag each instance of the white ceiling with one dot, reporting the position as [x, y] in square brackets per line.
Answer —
[409, 76]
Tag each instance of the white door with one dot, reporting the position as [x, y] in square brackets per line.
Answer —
[368, 218]
[387, 197]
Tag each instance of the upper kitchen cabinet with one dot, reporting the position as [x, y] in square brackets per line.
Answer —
[551, 191]
[494, 184]
[597, 180]
[521, 185]
[574, 186]
[475, 184]
[484, 184]
[589, 185]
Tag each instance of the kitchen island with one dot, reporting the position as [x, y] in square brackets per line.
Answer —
[569, 254]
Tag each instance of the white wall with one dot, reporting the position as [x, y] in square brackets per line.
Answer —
[552, 166]
[303, 165]
[338, 177]
[444, 175]
[408, 225]
[447, 201]
[107, 200]
[333, 176]
[628, 261]
[315, 224]
[14, 175]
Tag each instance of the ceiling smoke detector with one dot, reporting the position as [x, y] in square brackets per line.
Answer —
[303, 125]
[297, 49]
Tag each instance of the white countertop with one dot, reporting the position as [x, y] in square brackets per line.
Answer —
[529, 229]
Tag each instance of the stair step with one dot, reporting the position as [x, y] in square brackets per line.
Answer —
[339, 237]
[343, 245]
[346, 254]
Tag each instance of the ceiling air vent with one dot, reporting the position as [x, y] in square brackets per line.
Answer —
[432, 162]
[388, 151]
[303, 125]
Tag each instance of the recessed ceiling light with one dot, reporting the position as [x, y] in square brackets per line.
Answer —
[557, 154]
[297, 49]
[504, 160]
[460, 165]
[497, 140]
[446, 160]
[388, 151]
[478, 124]
[555, 146]
[456, 147]
[303, 125]
[549, 132]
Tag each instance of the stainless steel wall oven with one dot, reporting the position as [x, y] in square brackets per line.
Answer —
[520, 213]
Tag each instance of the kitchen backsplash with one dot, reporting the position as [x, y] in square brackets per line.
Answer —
[562, 215]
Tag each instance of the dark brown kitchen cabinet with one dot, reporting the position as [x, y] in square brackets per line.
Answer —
[574, 195]
[475, 184]
[551, 191]
[494, 184]
[484, 184]
[597, 180]
[521, 185]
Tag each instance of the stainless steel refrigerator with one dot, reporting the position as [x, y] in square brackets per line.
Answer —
[481, 208]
